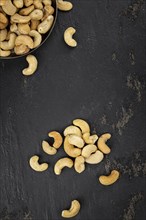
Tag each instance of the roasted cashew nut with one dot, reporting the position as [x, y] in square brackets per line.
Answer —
[3, 34]
[24, 39]
[47, 2]
[73, 211]
[21, 49]
[34, 164]
[23, 28]
[57, 138]
[82, 124]
[9, 8]
[95, 158]
[108, 180]
[64, 5]
[37, 38]
[3, 18]
[60, 164]
[70, 149]
[2, 2]
[8, 45]
[48, 149]
[79, 164]
[88, 150]
[76, 141]
[26, 11]
[38, 4]
[34, 24]
[45, 25]
[72, 130]
[18, 3]
[102, 143]
[16, 18]
[28, 2]
[4, 53]
[68, 37]
[36, 14]
[90, 139]
[33, 63]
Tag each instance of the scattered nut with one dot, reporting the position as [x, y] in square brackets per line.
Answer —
[102, 143]
[76, 141]
[60, 164]
[90, 139]
[68, 37]
[33, 63]
[70, 149]
[57, 138]
[88, 150]
[72, 130]
[34, 164]
[95, 158]
[73, 211]
[82, 124]
[64, 5]
[48, 149]
[108, 180]
[79, 164]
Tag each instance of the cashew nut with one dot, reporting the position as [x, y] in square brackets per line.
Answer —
[102, 143]
[79, 164]
[82, 124]
[33, 63]
[8, 45]
[108, 180]
[72, 130]
[21, 49]
[90, 139]
[24, 39]
[73, 211]
[57, 138]
[34, 24]
[60, 164]
[64, 5]
[9, 8]
[48, 149]
[3, 18]
[16, 18]
[23, 28]
[26, 11]
[88, 150]
[38, 4]
[45, 25]
[3, 34]
[48, 10]
[68, 34]
[36, 14]
[3, 25]
[18, 3]
[34, 164]
[37, 38]
[28, 2]
[70, 149]
[4, 53]
[95, 158]
[76, 141]
[2, 2]
[47, 2]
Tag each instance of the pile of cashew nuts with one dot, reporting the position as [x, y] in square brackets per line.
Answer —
[81, 147]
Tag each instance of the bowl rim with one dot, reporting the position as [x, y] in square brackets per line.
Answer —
[47, 36]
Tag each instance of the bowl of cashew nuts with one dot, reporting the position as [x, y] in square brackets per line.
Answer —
[25, 25]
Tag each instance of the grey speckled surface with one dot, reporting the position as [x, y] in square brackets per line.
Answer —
[103, 80]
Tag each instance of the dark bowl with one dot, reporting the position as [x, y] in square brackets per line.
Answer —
[44, 36]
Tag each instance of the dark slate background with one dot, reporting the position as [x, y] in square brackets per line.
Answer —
[103, 81]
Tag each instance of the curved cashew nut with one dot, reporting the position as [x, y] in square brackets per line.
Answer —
[70, 149]
[37, 38]
[34, 164]
[4, 53]
[72, 130]
[79, 164]
[76, 141]
[3, 34]
[45, 25]
[16, 18]
[108, 180]
[90, 139]
[33, 63]
[68, 37]
[23, 28]
[95, 158]
[21, 49]
[26, 11]
[64, 5]
[24, 39]
[88, 150]
[8, 45]
[73, 211]
[48, 149]
[38, 4]
[36, 14]
[18, 3]
[60, 164]
[48, 10]
[57, 138]
[47, 2]
[82, 124]
[28, 2]
[102, 143]
[9, 8]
